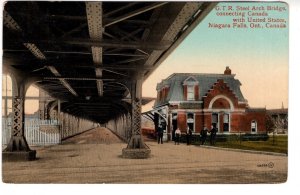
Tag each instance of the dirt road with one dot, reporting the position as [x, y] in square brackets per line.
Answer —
[95, 157]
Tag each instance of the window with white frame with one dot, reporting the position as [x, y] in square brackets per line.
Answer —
[190, 92]
[226, 122]
[253, 126]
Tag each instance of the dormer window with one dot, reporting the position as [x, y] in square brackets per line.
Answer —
[191, 89]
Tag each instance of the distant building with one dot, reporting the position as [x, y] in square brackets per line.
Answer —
[198, 100]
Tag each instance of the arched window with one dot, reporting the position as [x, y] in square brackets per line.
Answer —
[253, 126]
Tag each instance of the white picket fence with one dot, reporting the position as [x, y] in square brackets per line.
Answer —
[33, 134]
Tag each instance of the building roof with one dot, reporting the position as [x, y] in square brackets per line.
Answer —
[278, 111]
[206, 81]
[256, 110]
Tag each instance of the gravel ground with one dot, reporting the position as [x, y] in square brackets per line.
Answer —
[95, 157]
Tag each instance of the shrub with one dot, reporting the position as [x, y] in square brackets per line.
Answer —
[255, 137]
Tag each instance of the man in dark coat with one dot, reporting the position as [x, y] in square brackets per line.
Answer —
[188, 135]
[203, 134]
[160, 134]
[213, 134]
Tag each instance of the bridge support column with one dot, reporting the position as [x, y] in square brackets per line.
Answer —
[136, 147]
[17, 148]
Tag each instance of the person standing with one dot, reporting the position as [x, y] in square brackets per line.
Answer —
[160, 134]
[177, 136]
[188, 135]
[203, 134]
[213, 134]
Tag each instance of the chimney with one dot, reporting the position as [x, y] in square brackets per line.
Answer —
[227, 71]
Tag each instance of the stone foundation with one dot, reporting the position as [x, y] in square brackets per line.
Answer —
[136, 153]
[19, 155]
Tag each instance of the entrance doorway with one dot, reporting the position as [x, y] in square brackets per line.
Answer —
[174, 124]
[190, 121]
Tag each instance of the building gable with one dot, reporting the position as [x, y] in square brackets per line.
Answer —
[221, 96]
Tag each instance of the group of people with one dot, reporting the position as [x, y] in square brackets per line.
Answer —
[213, 134]
[188, 136]
[203, 134]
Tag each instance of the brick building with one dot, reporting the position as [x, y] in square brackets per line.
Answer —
[198, 100]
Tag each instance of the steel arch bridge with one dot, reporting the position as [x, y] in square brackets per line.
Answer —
[93, 56]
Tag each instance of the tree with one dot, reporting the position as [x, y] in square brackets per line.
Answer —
[270, 126]
[278, 123]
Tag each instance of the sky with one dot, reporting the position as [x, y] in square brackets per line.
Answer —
[258, 57]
